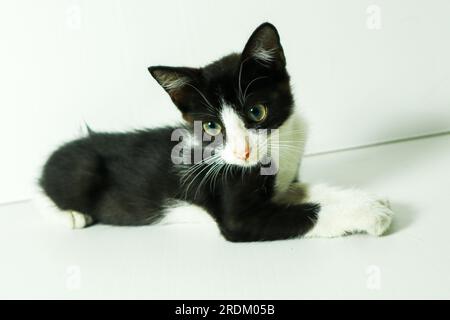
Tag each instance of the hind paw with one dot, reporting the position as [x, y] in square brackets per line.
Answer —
[78, 220]
[69, 219]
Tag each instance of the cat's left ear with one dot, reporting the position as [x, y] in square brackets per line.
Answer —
[178, 83]
[265, 48]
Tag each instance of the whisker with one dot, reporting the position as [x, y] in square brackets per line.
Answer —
[205, 178]
[196, 170]
[193, 168]
[198, 174]
[241, 96]
[250, 83]
[201, 94]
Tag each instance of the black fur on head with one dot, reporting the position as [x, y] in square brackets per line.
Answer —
[257, 75]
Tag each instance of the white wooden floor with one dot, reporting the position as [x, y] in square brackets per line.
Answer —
[193, 261]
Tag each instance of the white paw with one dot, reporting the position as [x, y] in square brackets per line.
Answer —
[68, 219]
[346, 211]
[71, 219]
[79, 220]
[379, 218]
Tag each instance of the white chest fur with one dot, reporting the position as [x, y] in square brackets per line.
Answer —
[291, 144]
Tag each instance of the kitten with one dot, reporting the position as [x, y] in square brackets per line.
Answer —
[236, 155]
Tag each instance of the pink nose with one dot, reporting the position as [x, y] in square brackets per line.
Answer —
[243, 155]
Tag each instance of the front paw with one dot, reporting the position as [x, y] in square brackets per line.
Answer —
[347, 211]
[378, 217]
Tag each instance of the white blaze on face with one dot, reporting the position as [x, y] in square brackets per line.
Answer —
[240, 143]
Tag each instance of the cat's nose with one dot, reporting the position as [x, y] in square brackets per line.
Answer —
[242, 154]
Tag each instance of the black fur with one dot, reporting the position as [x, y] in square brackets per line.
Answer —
[129, 178]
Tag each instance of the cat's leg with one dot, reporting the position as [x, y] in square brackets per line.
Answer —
[71, 182]
[249, 216]
[66, 218]
[343, 211]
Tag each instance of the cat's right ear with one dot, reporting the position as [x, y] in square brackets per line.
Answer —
[179, 83]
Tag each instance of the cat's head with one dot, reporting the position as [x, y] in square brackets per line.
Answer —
[235, 97]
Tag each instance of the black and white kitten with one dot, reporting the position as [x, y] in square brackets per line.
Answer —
[236, 156]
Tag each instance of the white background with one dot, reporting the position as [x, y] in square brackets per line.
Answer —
[66, 62]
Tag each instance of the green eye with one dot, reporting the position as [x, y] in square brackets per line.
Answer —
[257, 113]
[212, 128]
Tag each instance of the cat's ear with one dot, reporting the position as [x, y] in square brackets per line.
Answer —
[178, 83]
[265, 48]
